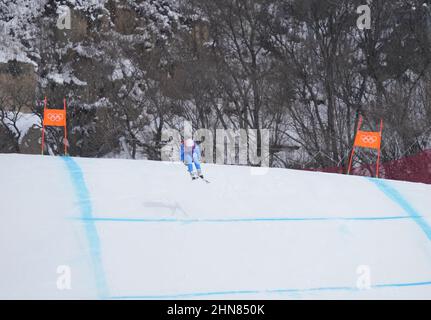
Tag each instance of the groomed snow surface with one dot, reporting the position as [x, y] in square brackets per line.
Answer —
[144, 230]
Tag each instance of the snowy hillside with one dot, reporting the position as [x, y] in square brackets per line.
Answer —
[142, 229]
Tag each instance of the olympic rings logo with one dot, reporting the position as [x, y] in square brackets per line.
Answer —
[369, 139]
[54, 117]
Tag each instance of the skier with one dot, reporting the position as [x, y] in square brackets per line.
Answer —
[191, 153]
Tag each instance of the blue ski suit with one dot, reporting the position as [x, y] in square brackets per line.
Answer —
[190, 156]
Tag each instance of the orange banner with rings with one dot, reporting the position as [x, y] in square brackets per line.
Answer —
[369, 140]
[365, 139]
[54, 118]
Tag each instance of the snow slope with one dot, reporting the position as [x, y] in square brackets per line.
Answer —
[143, 230]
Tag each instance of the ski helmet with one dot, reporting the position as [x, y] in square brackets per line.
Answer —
[189, 143]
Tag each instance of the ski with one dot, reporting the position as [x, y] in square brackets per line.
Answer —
[198, 177]
[204, 179]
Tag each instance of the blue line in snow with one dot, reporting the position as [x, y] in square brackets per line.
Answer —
[272, 291]
[85, 206]
[231, 220]
[398, 198]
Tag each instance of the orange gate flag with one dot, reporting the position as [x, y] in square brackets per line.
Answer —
[54, 118]
[369, 140]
